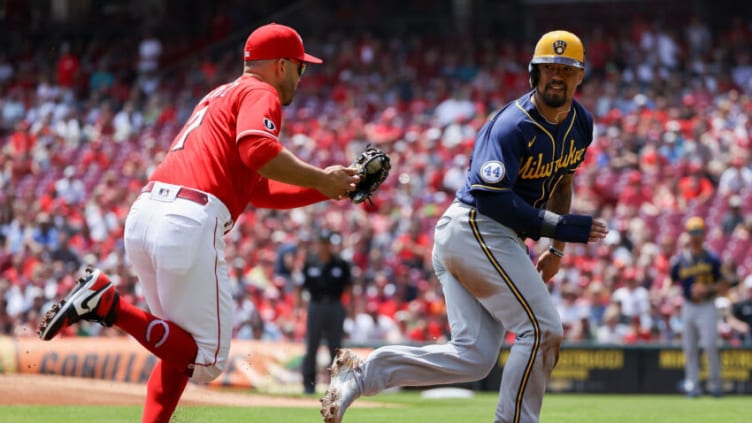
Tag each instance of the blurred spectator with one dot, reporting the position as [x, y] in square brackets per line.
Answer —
[12, 110]
[45, 235]
[599, 300]
[21, 141]
[699, 38]
[250, 325]
[102, 79]
[741, 312]
[735, 179]
[149, 53]
[96, 156]
[633, 300]
[634, 194]
[127, 122]
[413, 246]
[741, 72]
[368, 325]
[286, 261]
[65, 254]
[575, 314]
[695, 187]
[668, 49]
[612, 331]
[733, 216]
[455, 108]
[6, 69]
[261, 274]
[669, 323]
[454, 177]
[69, 188]
[68, 70]
[730, 271]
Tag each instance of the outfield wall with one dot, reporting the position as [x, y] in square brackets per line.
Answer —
[272, 366]
[260, 365]
[633, 369]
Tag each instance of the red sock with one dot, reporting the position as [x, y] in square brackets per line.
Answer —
[166, 385]
[163, 338]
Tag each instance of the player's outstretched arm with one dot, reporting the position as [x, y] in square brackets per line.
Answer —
[334, 181]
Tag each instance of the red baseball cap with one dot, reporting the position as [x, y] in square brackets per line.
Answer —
[275, 41]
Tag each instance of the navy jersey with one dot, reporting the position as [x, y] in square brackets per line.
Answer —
[689, 269]
[519, 150]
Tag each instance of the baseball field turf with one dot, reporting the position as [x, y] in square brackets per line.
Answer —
[409, 407]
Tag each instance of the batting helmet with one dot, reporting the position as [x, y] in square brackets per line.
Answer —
[695, 224]
[560, 47]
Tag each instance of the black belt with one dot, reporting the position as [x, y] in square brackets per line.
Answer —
[185, 193]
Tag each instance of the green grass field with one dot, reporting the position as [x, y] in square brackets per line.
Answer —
[409, 407]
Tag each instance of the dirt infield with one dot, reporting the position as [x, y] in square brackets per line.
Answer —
[23, 389]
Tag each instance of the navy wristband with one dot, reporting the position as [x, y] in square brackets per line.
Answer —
[574, 228]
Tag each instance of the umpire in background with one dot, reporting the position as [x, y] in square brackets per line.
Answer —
[325, 276]
[698, 271]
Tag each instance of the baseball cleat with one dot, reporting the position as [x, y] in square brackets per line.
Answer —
[343, 387]
[93, 298]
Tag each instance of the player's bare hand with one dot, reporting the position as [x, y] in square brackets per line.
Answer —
[698, 291]
[547, 265]
[338, 181]
[598, 231]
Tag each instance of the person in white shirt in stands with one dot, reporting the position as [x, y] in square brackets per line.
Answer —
[368, 325]
[634, 299]
[149, 53]
[611, 332]
[735, 178]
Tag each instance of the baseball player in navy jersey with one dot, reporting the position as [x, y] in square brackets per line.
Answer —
[698, 271]
[519, 185]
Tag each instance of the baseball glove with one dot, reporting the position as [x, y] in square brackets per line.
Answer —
[373, 167]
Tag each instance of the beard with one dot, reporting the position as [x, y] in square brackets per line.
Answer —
[554, 99]
[287, 92]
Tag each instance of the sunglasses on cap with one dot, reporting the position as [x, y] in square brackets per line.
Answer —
[301, 65]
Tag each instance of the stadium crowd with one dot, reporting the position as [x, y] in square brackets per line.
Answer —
[82, 131]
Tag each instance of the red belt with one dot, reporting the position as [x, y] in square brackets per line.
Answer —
[184, 193]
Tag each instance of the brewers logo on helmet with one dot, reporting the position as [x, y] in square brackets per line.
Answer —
[560, 47]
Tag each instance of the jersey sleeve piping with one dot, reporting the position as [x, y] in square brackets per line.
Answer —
[255, 132]
[488, 187]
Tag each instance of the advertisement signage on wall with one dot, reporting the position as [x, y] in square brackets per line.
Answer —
[643, 369]
[268, 366]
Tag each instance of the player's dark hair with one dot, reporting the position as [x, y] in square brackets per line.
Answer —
[534, 75]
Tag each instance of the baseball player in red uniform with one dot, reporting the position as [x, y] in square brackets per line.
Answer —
[226, 156]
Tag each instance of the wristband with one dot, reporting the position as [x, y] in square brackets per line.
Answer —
[549, 222]
[574, 228]
[555, 251]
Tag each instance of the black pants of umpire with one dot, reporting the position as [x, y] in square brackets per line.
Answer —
[325, 319]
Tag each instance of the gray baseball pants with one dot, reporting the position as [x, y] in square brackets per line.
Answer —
[490, 284]
[701, 329]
